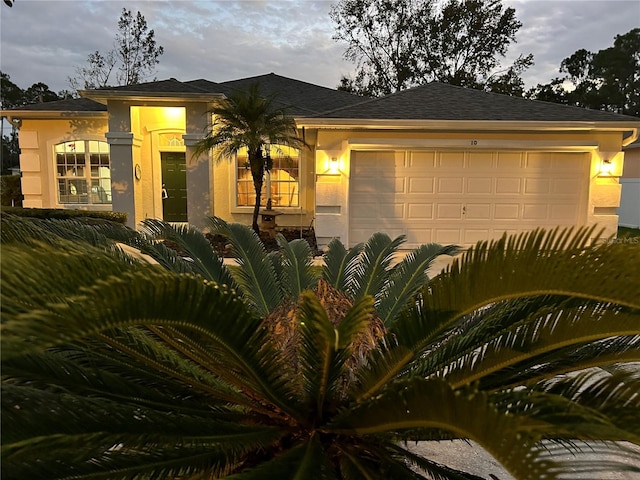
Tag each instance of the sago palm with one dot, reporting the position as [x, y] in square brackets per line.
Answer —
[247, 120]
[117, 368]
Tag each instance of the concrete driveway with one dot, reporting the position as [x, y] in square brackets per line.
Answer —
[473, 459]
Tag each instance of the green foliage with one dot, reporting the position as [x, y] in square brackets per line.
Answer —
[397, 44]
[11, 190]
[114, 367]
[59, 213]
[605, 80]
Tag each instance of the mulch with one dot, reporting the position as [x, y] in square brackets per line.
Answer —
[222, 248]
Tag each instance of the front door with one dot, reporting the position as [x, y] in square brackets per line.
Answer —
[174, 186]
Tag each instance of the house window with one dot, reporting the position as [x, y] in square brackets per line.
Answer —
[285, 181]
[83, 172]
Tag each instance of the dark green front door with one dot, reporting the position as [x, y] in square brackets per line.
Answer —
[174, 186]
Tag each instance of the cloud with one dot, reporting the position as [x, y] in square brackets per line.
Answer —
[44, 40]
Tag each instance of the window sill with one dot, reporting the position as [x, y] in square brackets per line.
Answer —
[282, 210]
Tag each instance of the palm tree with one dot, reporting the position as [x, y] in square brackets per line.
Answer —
[119, 368]
[247, 120]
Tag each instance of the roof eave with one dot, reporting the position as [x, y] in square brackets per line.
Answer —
[52, 114]
[103, 96]
[486, 125]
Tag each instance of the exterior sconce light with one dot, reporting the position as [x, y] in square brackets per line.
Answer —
[334, 165]
[609, 166]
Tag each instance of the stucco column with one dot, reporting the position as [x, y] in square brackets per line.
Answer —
[199, 172]
[123, 184]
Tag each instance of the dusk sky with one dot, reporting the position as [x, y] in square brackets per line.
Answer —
[43, 41]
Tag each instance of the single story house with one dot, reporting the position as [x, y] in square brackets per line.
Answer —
[437, 163]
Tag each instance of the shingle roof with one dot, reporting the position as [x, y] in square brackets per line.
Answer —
[170, 85]
[67, 105]
[303, 98]
[439, 101]
[434, 101]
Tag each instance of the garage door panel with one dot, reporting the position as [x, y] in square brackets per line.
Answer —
[481, 211]
[420, 211]
[462, 197]
[450, 161]
[481, 161]
[421, 185]
[450, 185]
[566, 186]
[537, 186]
[509, 161]
[391, 211]
[480, 185]
[419, 236]
[508, 185]
[474, 235]
[535, 212]
[421, 159]
[448, 211]
[506, 211]
[447, 236]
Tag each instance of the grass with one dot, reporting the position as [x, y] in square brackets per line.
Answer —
[626, 232]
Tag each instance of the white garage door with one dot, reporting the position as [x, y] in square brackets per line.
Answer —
[462, 197]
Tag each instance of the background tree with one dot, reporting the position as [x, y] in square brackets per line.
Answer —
[607, 80]
[246, 120]
[397, 44]
[13, 96]
[133, 58]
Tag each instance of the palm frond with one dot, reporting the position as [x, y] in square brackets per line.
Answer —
[297, 273]
[533, 264]
[432, 404]
[407, 277]
[613, 396]
[98, 371]
[28, 414]
[338, 263]
[126, 456]
[27, 230]
[542, 336]
[320, 343]
[149, 296]
[602, 353]
[525, 331]
[373, 264]
[196, 248]
[303, 461]
[592, 459]
[256, 277]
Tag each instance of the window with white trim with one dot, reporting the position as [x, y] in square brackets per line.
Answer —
[285, 180]
[83, 172]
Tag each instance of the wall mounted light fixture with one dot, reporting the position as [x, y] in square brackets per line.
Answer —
[334, 165]
[610, 166]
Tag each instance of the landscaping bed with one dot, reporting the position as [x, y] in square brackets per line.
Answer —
[222, 247]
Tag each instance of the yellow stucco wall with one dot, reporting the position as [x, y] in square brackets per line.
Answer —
[37, 163]
[148, 124]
